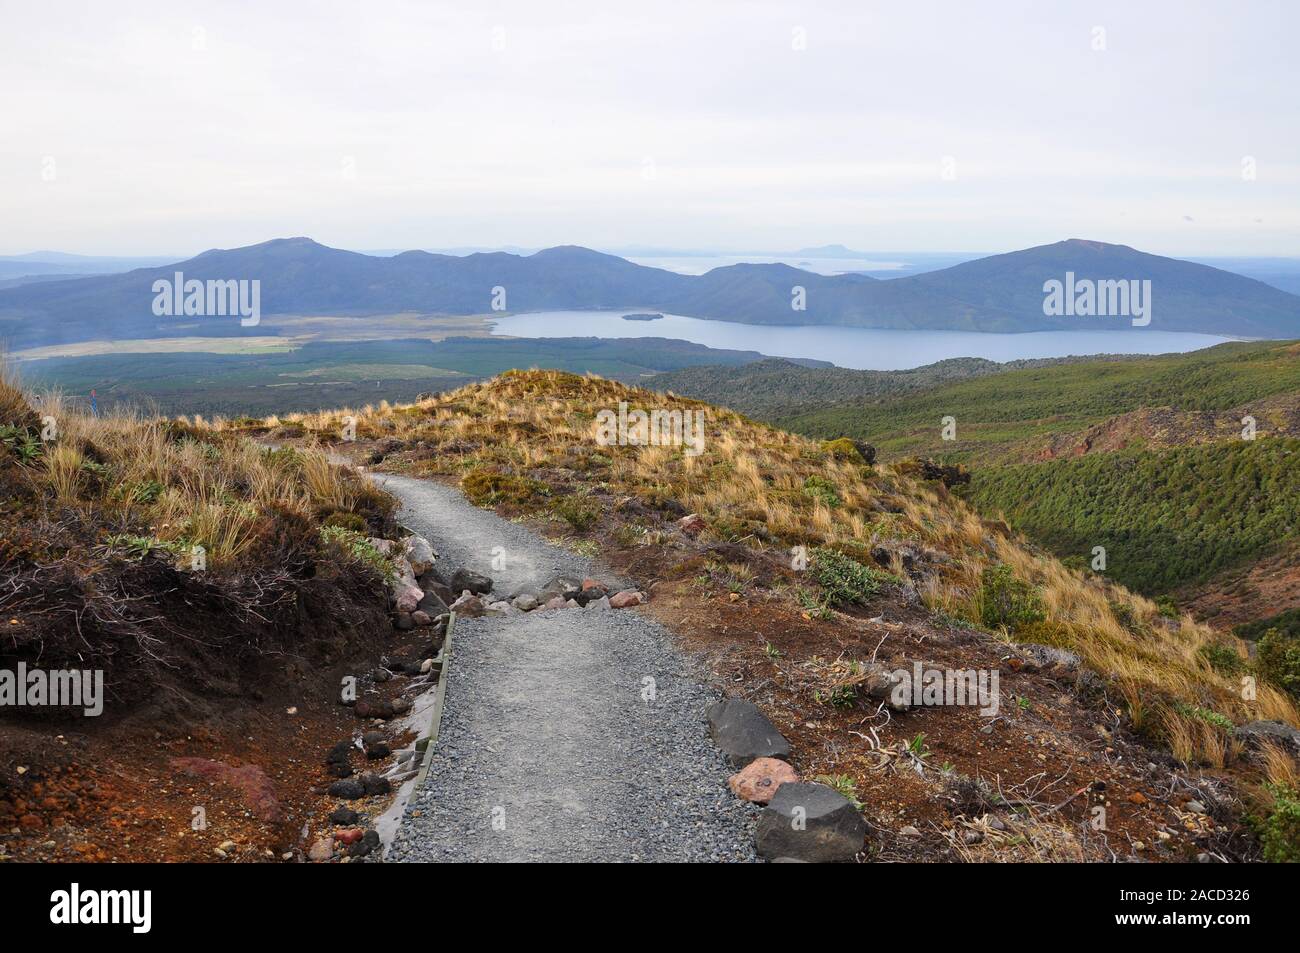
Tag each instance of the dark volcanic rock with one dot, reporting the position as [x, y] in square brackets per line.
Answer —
[811, 823]
[443, 592]
[433, 604]
[563, 586]
[340, 753]
[475, 582]
[373, 709]
[369, 841]
[1279, 733]
[743, 733]
[585, 596]
[344, 816]
[432, 576]
[349, 789]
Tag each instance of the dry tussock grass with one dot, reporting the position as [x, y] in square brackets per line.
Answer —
[183, 482]
[749, 484]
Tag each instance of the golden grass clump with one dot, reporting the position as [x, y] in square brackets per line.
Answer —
[767, 487]
[182, 482]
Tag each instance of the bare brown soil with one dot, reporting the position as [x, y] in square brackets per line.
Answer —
[1163, 428]
[253, 763]
[1258, 591]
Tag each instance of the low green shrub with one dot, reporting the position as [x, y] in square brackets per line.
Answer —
[822, 490]
[845, 581]
[1279, 830]
[1278, 660]
[357, 547]
[486, 487]
[1224, 659]
[1008, 601]
[577, 511]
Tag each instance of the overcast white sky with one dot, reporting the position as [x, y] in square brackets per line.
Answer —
[172, 127]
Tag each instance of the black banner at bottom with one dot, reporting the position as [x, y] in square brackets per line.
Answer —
[143, 903]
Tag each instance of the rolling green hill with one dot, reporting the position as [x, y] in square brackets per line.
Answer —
[1009, 417]
[1166, 519]
[779, 389]
[1140, 455]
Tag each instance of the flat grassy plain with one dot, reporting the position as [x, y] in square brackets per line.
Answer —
[247, 379]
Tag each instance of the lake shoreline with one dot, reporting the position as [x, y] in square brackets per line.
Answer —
[883, 349]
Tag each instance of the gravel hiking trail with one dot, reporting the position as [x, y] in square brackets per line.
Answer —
[567, 735]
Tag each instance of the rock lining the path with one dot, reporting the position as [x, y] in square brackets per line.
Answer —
[810, 823]
[742, 732]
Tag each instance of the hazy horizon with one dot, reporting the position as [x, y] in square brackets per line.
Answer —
[635, 252]
[173, 128]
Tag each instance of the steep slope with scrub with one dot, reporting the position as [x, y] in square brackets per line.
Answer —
[896, 569]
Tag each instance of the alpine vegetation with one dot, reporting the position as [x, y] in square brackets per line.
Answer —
[655, 428]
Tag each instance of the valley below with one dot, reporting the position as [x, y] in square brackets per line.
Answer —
[1106, 518]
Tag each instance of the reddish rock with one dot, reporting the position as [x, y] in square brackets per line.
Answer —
[468, 605]
[626, 598]
[375, 709]
[590, 583]
[421, 618]
[759, 779]
[252, 782]
[555, 602]
[691, 525]
[349, 836]
[407, 597]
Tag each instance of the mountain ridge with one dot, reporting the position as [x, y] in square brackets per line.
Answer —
[999, 293]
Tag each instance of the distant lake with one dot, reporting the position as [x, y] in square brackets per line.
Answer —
[860, 348]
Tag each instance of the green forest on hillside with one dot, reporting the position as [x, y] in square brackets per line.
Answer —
[779, 388]
[1166, 519]
[997, 414]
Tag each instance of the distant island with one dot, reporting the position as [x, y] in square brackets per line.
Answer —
[642, 316]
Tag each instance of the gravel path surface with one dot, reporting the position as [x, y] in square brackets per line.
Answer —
[569, 735]
[464, 535]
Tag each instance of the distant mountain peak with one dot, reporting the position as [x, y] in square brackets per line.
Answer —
[829, 251]
[574, 252]
[1088, 244]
